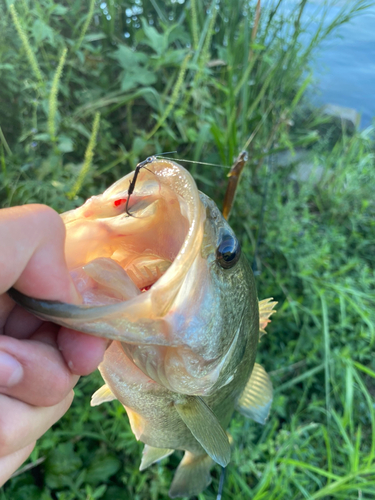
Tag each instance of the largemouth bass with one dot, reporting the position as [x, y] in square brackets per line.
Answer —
[166, 281]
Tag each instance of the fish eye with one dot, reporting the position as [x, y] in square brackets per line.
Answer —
[228, 252]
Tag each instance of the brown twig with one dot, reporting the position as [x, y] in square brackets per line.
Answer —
[234, 177]
[28, 467]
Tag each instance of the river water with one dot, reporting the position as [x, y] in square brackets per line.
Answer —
[345, 64]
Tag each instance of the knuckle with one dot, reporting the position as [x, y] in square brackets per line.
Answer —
[49, 218]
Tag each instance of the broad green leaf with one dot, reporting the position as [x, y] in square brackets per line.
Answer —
[41, 31]
[135, 76]
[154, 39]
[128, 57]
[65, 144]
[102, 468]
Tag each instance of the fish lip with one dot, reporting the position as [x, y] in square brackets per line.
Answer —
[59, 309]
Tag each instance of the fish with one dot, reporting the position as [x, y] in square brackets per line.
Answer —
[161, 274]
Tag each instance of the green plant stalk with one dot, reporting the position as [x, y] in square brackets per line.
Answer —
[370, 405]
[194, 24]
[203, 57]
[25, 6]
[160, 13]
[326, 353]
[202, 37]
[256, 130]
[4, 172]
[328, 451]
[246, 75]
[4, 142]
[339, 485]
[52, 104]
[245, 89]
[207, 43]
[364, 369]
[282, 120]
[174, 97]
[26, 44]
[85, 25]
[89, 154]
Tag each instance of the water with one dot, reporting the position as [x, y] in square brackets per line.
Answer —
[345, 66]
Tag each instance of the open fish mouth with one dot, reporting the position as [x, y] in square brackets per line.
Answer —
[134, 263]
[114, 255]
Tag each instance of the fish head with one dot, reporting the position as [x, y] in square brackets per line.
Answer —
[161, 271]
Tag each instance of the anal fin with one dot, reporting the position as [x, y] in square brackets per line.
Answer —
[192, 476]
[151, 455]
[102, 395]
[205, 427]
[256, 398]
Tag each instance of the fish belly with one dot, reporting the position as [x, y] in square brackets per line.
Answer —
[150, 407]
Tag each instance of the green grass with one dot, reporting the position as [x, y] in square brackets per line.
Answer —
[312, 243]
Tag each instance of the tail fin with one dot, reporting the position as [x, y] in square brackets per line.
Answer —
[192, 475]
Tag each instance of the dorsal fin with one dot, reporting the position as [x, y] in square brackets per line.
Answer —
[256, 398]
[102, 395]
[266, 309]
[205, 427]
[151, 455]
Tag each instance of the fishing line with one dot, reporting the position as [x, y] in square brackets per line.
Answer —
[193, 161]
[166, 153]
[221, 483]
[148, 161]
[257, 128]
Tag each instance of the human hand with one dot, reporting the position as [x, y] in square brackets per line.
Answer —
[40, 362]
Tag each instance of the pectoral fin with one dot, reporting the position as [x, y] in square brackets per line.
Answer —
[151, 455]
[192, 476]
[265, 312]
[206, 428]
[255, 401]
[102, 395]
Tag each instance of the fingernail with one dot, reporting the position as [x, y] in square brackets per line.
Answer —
[11, 371]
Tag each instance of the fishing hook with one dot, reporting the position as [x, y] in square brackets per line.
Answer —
[140, 165]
